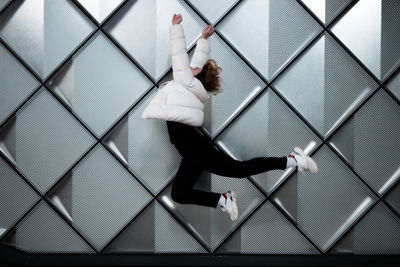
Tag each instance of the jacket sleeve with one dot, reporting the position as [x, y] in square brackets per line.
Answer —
[180, 59]
[201, 53]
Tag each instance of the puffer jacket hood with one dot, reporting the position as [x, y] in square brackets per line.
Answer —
[181, 99]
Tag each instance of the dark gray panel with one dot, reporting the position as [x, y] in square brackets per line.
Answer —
[278, 31]
[212, 9]
[16, 197]
[43, 231]
[138, 236]
[149, 42]
[151, 157]
[267, 128]
[330, 202]
[377, 233]
[42, 32]
[104, 194]
[47, 143]
[16, 83]
[393, 198]
[269, 232]
[212, 229]
[100, 93]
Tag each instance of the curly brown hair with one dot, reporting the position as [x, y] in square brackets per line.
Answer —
[209, 77]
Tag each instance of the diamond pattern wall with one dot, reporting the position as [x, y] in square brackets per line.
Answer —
[81, 172]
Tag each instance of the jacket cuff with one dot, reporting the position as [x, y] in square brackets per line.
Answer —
[176, 31]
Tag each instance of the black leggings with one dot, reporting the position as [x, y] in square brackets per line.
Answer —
[199, 153]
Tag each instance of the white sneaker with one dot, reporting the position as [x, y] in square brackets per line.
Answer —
[304, 162]
[230, 205]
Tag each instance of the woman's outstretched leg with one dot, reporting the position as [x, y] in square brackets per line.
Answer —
[217, 162]
[182, 189]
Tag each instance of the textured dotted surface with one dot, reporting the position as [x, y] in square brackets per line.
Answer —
[152, 157]
[269, 232]
[101, 196]
[275, 130]
[16, 83]
[16, 197]
[104, 194]
[43, 231]
[171, 237]
[47, 143]
[382, 142]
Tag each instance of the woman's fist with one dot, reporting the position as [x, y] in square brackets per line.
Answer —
[207, 32]
[176, 19]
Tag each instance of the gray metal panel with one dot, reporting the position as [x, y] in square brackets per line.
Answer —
[47, 143]
[331, 201]
[171, 237]
[381, 170]
[100, 84]
[103, 194]
[326, 10]
[16, 83]
[394, 85]
[373, 24]
[43, 32]
[16, 197]
[267, 128]
[43, 231]
[238, 80]
[326, 85]
[393, 198]
[151, 156]
[377, 233]
[138, 236]
[279, 28]
[100, 9]
[149, 42]
[218, 223]
[212, 9]
[269, 232]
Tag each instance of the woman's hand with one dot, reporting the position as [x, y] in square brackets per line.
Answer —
[176, 19]
[207, 32]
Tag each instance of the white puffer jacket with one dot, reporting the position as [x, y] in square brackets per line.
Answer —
[181, 99]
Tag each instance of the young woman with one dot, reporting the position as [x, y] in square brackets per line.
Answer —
[181, 102]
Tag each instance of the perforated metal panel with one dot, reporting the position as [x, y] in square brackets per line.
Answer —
[46, 143]
[268, 232]
[239, 81]
[279, 30]
[101, 193]
[267, 128]
[211, 9]
[371, 22]
[43, 231]
[16, 83]
[394, 85]
[330, 202]
[286, 81]
[148, 43]
[100, 9]
[326, 10]
[377, 233]
[144, 145]
[16, 197]
[43, 32]
[213, 226]
[100, 84]
[336, 85]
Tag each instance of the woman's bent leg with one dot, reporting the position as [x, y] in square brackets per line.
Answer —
[182, 189]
